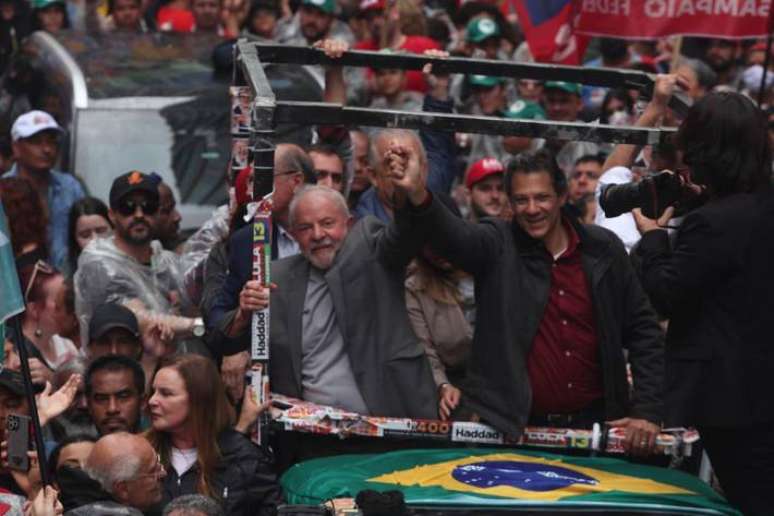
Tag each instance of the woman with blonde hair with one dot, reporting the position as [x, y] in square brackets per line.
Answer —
[192, 432]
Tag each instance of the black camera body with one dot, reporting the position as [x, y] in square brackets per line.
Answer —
[652, 195]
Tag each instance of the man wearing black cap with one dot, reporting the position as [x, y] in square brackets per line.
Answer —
[113, 330]
[130, 267]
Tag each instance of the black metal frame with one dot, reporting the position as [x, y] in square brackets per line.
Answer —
[268, 111]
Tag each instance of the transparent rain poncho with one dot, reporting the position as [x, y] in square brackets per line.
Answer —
[154, 292]
[193, 258]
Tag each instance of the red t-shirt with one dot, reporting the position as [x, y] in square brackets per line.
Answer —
[563, 365]
[415, 80]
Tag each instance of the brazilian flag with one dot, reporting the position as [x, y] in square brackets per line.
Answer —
[503, 478]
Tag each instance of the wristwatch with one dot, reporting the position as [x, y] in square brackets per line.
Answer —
[198, 327]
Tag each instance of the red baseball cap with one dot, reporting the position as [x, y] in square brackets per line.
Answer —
[368, 5]
[482, 169]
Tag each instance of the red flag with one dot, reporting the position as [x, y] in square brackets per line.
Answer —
[548, 27]
[647, 19]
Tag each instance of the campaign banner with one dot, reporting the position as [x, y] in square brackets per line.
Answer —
[304, 416]
[648, 19]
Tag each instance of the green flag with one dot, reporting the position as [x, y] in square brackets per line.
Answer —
[11, 300]
[505, 478]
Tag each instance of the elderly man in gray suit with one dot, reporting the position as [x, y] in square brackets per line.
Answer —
[340, 334]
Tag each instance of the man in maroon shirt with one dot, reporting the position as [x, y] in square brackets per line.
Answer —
[558, 302]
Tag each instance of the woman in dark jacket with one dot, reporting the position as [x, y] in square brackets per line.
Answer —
[716, 287]
[191, 430]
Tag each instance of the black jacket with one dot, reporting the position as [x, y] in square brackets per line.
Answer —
[243, 480]
[717, 288]
[512, 275]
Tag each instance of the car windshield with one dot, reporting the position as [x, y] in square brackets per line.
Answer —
[145, 65]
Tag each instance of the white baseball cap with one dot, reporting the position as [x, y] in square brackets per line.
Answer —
[32, 123]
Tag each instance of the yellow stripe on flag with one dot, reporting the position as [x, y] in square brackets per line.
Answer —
[511, 475]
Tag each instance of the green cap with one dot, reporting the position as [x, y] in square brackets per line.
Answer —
[326, 6]
[481, 28]
[526, 110]
[487, 81]
[569, 87]
[42, 4]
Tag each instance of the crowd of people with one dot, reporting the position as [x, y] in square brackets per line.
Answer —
[428, 274]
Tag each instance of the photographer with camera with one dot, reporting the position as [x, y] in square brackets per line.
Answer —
[617, 201]
[715, 284]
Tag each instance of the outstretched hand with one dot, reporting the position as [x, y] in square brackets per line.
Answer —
[52, 405]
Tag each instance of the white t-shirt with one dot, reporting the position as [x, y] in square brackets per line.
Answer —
[183, 460]
[624, 225]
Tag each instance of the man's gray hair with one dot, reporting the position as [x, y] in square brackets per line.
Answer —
[290, 157]
[76, 365]
[193, 505]
[333, 195]
[375, 159]
[122, 468]
[704, 73]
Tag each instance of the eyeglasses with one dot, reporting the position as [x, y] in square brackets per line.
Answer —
[128, 207]
[157, 471]
[40, 267]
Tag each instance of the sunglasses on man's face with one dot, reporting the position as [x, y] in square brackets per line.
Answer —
[42, 268]
[129, 207]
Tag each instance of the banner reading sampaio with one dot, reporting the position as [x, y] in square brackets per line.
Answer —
[646, 19]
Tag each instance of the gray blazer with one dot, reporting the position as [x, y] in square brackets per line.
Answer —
[366, 285]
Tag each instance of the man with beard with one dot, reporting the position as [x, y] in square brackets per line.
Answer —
[314, 21]
[114, 389]
[484, 181]
[322, 350]
[722, 55]
[133, 269]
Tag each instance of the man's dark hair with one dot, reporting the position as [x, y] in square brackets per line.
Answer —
[70, 439]
[613, 49]
[116, 363]
[704, 73]
[725, 142]
[112, 5]
[589, 158]
[531, 163]
[325, 150]
[293, 157]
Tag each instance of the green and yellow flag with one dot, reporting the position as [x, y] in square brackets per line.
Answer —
[11, 300]
[504, 478]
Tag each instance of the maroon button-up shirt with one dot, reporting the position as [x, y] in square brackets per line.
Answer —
[563, 366]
